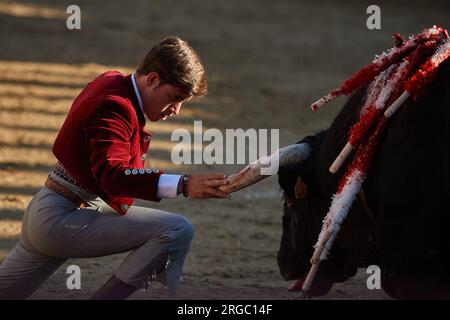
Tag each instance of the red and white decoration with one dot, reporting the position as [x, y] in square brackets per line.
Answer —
[403, 71]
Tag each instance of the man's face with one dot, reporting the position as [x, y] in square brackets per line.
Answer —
[161, 100]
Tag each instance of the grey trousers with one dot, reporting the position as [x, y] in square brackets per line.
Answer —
[54, 229]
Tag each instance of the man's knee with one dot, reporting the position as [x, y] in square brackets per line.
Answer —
[180, 230]
[185, 229]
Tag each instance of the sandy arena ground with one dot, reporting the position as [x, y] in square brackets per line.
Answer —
[266, 62]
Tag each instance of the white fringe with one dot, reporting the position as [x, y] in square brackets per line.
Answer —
[375, 87]
[339, 208]
[442, 53]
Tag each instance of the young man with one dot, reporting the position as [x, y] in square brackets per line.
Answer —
[85, 208]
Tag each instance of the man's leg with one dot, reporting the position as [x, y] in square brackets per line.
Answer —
[114, 289]
[25, 268]
[23, 271]
[165, 252]
[157, 238]
[161, 258]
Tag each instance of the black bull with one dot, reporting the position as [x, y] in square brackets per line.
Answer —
[401, 219]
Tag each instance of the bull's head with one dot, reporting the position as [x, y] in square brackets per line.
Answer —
[304, 166]
[383, 220]
[302, 215]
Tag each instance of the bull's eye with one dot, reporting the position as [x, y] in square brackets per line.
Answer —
[301, 189]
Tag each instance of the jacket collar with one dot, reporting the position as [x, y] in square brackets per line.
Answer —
[136, 92]
[136, 98]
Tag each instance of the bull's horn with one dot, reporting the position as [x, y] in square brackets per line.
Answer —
[292, 155]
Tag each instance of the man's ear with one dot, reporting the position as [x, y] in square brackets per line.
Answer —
[153, 80]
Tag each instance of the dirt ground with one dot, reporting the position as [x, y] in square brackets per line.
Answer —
[266, 62]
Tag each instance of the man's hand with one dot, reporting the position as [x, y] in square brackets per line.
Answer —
[203, 185]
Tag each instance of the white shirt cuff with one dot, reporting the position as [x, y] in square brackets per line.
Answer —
[168, 186]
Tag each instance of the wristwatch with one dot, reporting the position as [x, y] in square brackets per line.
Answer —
[184, 182]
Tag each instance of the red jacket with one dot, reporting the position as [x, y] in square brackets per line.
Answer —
[103, 144]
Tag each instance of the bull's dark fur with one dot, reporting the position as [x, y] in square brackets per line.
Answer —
[407, 190]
